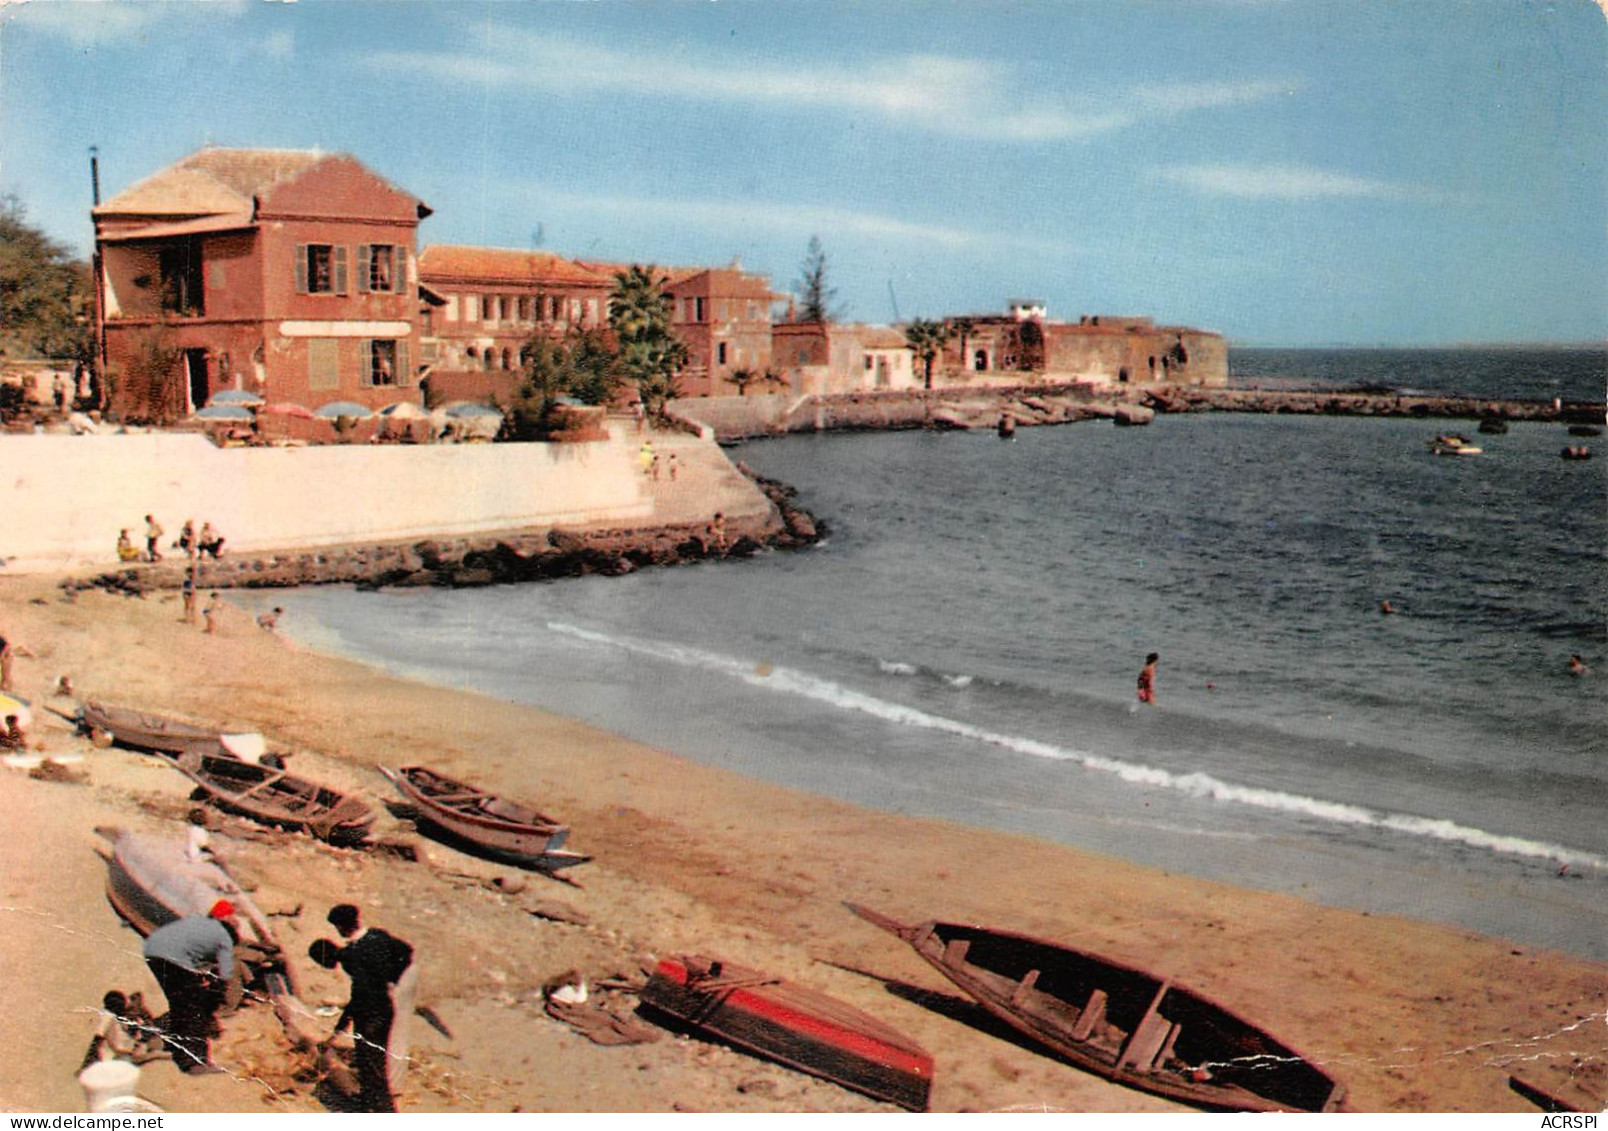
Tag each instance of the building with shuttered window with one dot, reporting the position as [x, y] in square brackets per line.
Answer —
[288, 273]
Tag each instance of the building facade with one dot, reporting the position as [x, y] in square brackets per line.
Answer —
[1106, 348]
[289, 273]
[723, 316]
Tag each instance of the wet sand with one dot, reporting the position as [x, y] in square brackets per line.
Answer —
[1409, 1016]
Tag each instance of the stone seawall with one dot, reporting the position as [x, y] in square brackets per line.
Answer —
[484, 559]
[1067, 402]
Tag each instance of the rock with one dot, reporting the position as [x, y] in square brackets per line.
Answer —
[1133, 415]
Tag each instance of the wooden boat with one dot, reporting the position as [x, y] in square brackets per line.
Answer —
[152, 880]
[793, 1025]
[1120, 1022]
[161, 734]
[1551, 1102]
[1448, 444]
[276, 797]
[484, 822]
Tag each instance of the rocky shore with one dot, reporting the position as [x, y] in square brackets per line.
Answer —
[487, 559]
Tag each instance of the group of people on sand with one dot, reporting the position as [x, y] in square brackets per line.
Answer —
[206, 542]
[193, 961]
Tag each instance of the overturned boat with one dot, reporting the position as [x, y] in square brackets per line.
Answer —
[1120, 1022]
[793, 1025]
[167, 735]
[153, 880]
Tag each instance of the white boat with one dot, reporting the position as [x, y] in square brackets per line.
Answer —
[1449, 444]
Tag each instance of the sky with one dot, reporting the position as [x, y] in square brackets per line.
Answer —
[1285, 172]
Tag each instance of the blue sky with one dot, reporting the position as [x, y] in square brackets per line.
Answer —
[1298, 172]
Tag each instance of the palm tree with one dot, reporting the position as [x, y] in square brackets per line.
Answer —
[651, 356]
[963, 328]
[927, 340]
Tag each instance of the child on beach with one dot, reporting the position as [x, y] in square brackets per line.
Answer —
[211, 613]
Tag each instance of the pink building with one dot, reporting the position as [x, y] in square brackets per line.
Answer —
[290, 273]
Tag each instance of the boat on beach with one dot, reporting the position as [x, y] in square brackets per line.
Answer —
[166, 735]
[483, 821]
[792, 1025]
[153, 880]
[273, 796]
[1120, 1022]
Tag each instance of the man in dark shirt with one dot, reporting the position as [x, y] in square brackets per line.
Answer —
[376, 961]
[193, 960]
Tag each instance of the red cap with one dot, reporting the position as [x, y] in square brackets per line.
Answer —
[222, 909]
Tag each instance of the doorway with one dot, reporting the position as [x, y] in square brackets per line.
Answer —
[195, 367]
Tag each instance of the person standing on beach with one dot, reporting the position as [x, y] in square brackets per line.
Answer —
[153, 536]
[211, 614]
[187, 590]
[192, 960]
[380, 966]
[1147, 679]
[9, 651]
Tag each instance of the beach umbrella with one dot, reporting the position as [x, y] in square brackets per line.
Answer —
[336, 409]
[15, 705]
[404, 410]
[235, 396]
[286, 408]
[466, 409]
[224, 412]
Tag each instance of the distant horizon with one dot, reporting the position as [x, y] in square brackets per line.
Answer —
[1369, 172]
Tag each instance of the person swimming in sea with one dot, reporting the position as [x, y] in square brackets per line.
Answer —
[1147, 679]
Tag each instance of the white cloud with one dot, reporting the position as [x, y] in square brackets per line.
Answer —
[1290, 182]
[106, 23]
[763, 218]
[942, 94]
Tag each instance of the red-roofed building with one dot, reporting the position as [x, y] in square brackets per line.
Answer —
[482, 304]
[723, 314]
[289, 273]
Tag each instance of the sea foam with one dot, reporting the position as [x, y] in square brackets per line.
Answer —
[1201, 786]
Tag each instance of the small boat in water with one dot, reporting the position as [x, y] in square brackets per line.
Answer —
[484, 821]
[1576, 451]
[1449, 444]
[275, 797]
[162, 734]
[793, 1025]
[1120, 1022]
[1494, 426]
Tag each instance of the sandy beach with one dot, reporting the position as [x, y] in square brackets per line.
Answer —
[1409, 1016]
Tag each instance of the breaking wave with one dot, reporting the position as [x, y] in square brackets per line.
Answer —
[1201, 786]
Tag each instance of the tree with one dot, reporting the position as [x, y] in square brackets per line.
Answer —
[927, 340]
[43, 291]
[814, 296]
[963, 328]
[651, 357]
[583, 366]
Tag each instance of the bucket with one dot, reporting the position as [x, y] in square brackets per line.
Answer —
[108, 1083]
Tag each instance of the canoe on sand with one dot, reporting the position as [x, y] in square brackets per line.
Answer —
[792, 1024]
[1120, 1022]
[484, 821]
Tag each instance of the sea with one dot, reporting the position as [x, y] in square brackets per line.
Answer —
[964, 643]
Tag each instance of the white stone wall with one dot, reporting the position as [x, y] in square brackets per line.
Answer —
[66, 497]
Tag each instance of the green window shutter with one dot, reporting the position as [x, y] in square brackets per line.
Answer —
[338, 253]
[366, 360]
[404, 367]
[323, 363]
[399, 269]
[301, 268]
[364, 251]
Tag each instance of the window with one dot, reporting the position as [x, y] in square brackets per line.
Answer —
[720, 354]
[182, 291]
[385, 362]
[320, 269]
[323, 363]
[698, 309]
[524, 308]
[380, 267]
[488, 308]
[471, 308]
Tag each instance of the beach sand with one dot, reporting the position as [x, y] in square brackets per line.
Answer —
[1409, 1016]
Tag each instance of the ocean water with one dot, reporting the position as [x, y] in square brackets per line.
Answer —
[965, 642]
